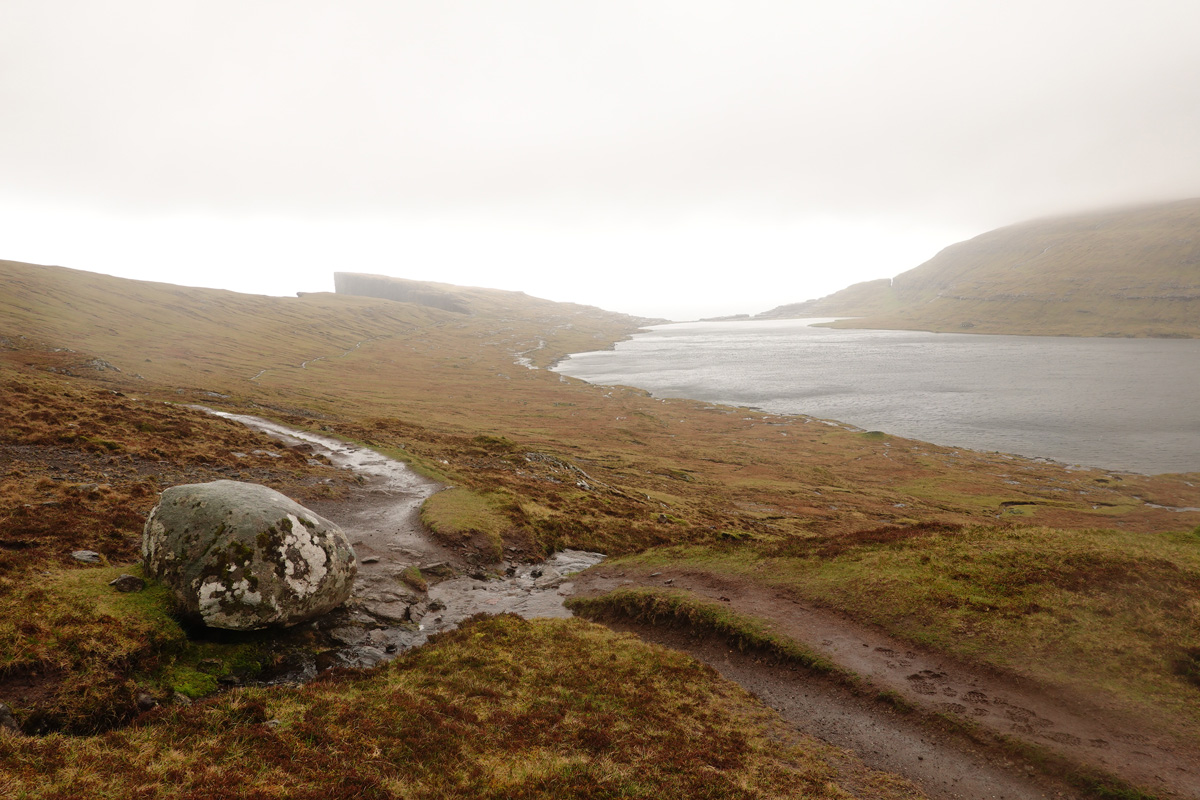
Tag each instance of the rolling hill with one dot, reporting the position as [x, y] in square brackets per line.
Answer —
[1079, 582]
[1131, 273]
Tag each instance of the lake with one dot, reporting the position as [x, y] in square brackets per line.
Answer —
[1118, 404]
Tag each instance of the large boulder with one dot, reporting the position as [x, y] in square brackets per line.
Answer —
[243, 557]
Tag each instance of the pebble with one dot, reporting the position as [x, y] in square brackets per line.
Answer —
[127, 583]
[86, 556]
[7, 721]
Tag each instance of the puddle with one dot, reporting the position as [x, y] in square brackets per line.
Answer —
[1177, 509]
[530, 590]
[385, 616]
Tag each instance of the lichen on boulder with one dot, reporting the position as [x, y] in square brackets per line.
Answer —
[242, 556]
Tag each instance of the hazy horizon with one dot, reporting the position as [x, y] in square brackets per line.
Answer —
[666, 159]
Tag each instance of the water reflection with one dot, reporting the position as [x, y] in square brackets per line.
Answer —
[1112, 403]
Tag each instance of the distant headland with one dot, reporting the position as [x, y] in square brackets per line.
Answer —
[1132, 273]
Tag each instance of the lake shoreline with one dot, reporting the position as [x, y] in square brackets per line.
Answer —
[1076, 402]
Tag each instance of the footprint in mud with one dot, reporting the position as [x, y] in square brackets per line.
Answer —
[1064, 738]
[1100, 743]
[923, 681]
[954, 708]
[826, 642]
[887, 651]
[975, 697]
[1133, 738]
[1017, 714]
[949, 691]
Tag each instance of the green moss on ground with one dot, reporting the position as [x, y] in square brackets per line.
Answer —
[75, 654]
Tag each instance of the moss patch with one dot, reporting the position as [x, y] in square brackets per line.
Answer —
[460, 517]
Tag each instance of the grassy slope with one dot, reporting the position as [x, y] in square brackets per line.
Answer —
[1133, 272]
[486, 711]
[562, 462]
[869, 298]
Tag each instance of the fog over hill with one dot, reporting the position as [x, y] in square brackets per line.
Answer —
[1128, 272]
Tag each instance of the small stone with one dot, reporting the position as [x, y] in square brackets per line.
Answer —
[146, 701]
[327, 660]
[369, 560]
[366, 657]
[87, 556]
[7, 721]
[181, 699]
[348, 635]
[127, 583]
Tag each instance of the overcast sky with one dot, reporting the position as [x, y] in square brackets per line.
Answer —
[676, 159]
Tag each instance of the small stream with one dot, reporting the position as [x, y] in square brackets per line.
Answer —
[385, 615]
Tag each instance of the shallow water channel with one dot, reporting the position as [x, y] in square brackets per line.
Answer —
[386, 616]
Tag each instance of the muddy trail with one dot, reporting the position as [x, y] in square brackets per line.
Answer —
[387, 616]
[388, 611]
[944, 765]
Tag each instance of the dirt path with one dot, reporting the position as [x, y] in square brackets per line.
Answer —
[1081, 732]
[943, 766]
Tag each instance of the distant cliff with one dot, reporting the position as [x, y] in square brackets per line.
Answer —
[399, 289]
[473, 300]
[1132, 272]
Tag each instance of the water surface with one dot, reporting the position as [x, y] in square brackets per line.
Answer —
[1121, 404]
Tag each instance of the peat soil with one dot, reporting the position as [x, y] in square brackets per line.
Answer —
[1073, 728]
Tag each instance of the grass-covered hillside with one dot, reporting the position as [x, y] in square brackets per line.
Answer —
[1080, 580]
[1133, 272]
